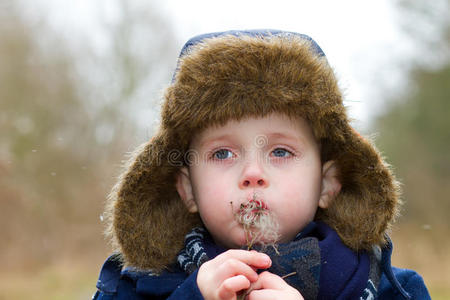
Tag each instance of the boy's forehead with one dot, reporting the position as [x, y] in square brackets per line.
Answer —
[275, 125]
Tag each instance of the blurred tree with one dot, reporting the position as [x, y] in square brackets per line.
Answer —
[415, 135]
[415, 130]
[47, 146]
[66, 118]
[127, 76]
[428, 25]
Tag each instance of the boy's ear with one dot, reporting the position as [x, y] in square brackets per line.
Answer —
[331, 185]
[184, 188]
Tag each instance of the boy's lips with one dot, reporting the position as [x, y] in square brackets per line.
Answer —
[256, 195]
[254, 206]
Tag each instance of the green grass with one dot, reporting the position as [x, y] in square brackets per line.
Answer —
[61, 282]
[439, 293]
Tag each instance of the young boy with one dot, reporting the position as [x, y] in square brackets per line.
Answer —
[256, 168]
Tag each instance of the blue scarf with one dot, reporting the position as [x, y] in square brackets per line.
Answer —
[315, 262]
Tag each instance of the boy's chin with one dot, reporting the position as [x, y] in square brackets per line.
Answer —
[240, 241]
[235, 240]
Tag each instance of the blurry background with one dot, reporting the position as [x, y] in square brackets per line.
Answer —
[81, 84]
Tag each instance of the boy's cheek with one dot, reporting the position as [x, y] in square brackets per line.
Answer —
[214, 191]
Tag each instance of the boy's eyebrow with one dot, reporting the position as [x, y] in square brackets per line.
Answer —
[281, 135]
[271, 135]
[212, 139]
[292, 137]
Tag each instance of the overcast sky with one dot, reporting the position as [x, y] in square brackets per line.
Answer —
[361, 39]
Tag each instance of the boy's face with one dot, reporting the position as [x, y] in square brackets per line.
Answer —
[275, 158]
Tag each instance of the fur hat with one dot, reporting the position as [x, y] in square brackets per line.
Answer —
[233, 75]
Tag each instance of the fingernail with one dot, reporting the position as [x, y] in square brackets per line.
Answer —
[267, 259]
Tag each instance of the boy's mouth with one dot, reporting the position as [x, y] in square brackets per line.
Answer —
[260, 225]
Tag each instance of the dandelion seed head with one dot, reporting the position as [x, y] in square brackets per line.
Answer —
[259, 223]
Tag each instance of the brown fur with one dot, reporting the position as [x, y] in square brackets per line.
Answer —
[233, 78]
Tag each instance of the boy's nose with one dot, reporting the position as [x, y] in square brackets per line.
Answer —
[253, 176]
[253, 182]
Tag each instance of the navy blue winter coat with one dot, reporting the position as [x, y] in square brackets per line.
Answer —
[115, 283]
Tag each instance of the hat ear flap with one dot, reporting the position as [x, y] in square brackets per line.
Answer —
[369, 201]
[148, 221]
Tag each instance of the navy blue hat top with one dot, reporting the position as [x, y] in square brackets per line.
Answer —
[253, 32]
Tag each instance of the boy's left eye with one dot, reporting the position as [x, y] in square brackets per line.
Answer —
[281, 152]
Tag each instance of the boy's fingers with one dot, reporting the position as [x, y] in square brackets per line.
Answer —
[232, 285]
[263, 295]
[251, 258]
[233, 267]
[229, 273]
[269, 294]
[267, 280]
[271, 286]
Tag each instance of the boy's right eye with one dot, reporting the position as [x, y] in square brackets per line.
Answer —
[222, 154]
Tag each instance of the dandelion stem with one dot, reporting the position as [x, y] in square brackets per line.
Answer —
[288, 275]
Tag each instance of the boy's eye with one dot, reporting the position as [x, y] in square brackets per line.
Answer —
[280, 152]
[222, 154]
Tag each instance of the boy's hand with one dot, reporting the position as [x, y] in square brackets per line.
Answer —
[230, 272]
[271, 286]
